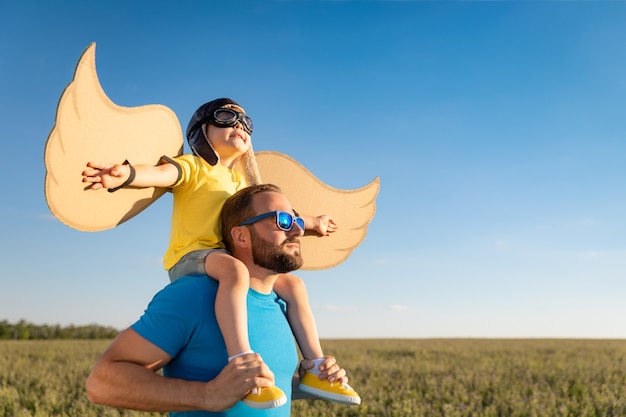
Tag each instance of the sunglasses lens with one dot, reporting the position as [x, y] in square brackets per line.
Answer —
[284, 221]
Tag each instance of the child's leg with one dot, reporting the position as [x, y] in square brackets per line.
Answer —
[230, 302]
[230, 309]
[190, 264]
[292, 289]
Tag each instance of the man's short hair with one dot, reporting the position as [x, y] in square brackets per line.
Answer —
[239, 208]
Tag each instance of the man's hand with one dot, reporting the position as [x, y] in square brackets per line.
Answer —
[328, 370]
[236, 380]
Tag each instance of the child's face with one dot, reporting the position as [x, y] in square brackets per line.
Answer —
[228, 142]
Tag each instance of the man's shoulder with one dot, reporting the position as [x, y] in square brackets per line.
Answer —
[189, 291]
[185, 300]
[176, 312]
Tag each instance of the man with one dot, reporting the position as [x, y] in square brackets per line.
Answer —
[179, 333]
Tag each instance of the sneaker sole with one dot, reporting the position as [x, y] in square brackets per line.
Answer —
[342, 399]
[265, 405]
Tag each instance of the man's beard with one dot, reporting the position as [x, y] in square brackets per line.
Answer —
[273, 257]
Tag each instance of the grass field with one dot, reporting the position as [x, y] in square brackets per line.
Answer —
[413, 378]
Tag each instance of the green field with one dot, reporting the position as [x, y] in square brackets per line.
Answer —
[447, 377]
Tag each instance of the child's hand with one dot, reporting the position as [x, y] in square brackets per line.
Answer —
[105, 175]
[325, 225]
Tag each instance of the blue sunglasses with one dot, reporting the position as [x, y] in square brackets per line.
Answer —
[284, 220]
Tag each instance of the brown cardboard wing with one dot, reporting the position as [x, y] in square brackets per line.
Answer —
[352, 209]
[90, 127]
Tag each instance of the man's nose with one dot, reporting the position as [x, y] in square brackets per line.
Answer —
[295, 230]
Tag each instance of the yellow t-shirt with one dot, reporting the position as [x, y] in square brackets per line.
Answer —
[199, 196]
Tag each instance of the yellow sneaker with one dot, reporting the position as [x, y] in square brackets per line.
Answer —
[333, 391]
[262, 398]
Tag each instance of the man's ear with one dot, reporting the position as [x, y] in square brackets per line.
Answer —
[240, 236]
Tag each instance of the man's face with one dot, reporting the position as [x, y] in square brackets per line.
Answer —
[272, 248]
[274, 256]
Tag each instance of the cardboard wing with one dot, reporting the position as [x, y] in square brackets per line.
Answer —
[90, 127]
[352, 209]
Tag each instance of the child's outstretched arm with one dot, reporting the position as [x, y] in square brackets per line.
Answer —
[323, 224]
[111, 176]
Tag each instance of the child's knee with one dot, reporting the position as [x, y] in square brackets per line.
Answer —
[290, 287]
[225, 267]
[296, 283]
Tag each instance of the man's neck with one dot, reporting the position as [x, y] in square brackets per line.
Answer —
[262, 280]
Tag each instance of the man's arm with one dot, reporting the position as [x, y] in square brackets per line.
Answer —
[125, 377]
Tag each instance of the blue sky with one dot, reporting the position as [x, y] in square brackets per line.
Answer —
[497, 130]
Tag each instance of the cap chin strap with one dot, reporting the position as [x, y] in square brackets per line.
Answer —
[202, 147]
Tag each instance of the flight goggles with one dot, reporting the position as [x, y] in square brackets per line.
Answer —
[284, 220]
[228, 118]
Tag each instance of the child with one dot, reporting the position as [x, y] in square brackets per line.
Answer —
[222, 163]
